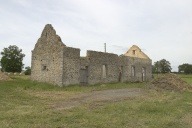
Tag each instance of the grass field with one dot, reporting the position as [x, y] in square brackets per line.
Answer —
[28, 104]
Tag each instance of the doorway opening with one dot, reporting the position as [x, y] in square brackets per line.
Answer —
[120, 73]
[84, 75]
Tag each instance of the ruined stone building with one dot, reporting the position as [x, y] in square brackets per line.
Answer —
[54, 62]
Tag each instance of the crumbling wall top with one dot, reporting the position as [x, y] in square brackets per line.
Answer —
[49, 38]
[98, 54]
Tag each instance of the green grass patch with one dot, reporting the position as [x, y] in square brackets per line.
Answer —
[187, 78]
[25, 103]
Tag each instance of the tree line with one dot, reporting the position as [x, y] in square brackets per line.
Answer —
[164, 66]
[185, 68]
[12, 61]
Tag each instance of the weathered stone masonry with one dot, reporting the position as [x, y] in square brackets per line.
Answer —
[54, 62]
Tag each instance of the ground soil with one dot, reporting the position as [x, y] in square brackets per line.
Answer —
[96, 98]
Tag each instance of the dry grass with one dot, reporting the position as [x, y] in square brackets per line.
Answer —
[24, 103]
[187, 120]
[51, 95]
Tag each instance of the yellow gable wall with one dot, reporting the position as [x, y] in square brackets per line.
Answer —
[135, 51]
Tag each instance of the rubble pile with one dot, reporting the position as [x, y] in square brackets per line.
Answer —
[4, 77]
[170, 82]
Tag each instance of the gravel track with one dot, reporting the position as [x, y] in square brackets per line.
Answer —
[103, 96]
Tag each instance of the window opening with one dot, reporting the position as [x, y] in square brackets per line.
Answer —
[104, 72]
[132, 71]
[143, 74]
[134, 52]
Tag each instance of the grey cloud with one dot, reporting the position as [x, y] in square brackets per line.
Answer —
[161, 28]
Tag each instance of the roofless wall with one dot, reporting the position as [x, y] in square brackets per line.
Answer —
[54, 62]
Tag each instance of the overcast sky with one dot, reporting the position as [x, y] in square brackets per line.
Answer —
[161, 28]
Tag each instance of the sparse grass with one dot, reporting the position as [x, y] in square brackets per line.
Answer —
[78, 88]
[25, 103]
[187, 78]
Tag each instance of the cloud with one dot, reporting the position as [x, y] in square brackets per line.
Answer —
[162, 28]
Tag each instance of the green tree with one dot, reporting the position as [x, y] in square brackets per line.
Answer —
[156, 67]
[162, 66]
[28, 70]
[12, 58]
[185, 68]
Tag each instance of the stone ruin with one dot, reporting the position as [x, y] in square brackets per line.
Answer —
[54, 62]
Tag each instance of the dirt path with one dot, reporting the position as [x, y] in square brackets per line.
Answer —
[99, 97]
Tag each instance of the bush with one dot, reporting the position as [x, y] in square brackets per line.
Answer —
[27, 71]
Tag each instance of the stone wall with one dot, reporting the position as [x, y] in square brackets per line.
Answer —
[71, 66]
[47, 58]
[124, 69]
[126, 63]
[95, 68]
[118, 68]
